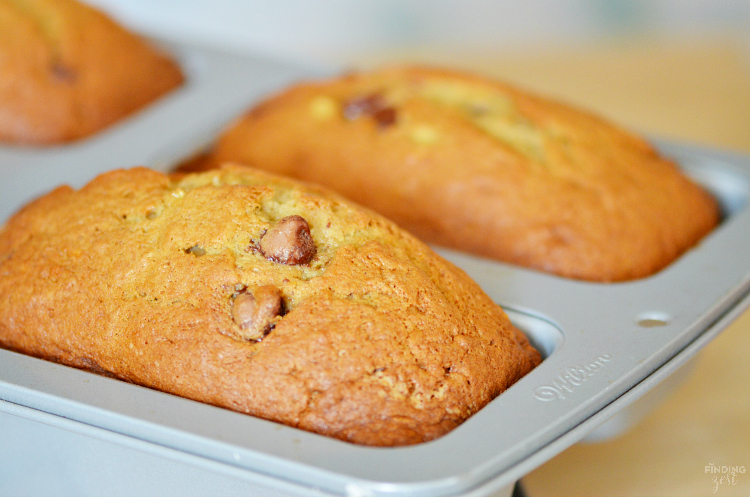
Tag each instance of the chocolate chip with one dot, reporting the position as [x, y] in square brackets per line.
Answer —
[385, 117]
[373, 105]
[257, 312]
[289, 242]
[363, 106]
[63, 73]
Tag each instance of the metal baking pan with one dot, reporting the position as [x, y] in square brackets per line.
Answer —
[68, 432]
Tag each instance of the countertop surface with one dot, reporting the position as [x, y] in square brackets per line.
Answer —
[694, 91]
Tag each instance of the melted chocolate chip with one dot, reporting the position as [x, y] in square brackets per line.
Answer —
[63, 73]
[289, 242]
[256, 312]
[385, 117]
[374, 106]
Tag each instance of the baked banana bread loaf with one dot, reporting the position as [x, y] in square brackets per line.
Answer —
[477, 165]
[258, 294]
[68, 71]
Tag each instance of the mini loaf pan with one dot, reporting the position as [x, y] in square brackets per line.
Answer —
[69, 432]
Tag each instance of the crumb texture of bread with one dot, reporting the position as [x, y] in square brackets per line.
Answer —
[480, 166]
[164, 281]
[68, 71]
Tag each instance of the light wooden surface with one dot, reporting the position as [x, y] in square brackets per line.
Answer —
[699, 92]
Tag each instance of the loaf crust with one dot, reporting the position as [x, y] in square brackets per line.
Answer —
[381, 342]
[68, 71]
[480, 166]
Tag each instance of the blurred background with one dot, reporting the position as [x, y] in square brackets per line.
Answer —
[627, 59]
[672, 69]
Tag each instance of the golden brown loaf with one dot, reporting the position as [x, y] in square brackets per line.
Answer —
[480, 166]
[67, 71]
[258, 294]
